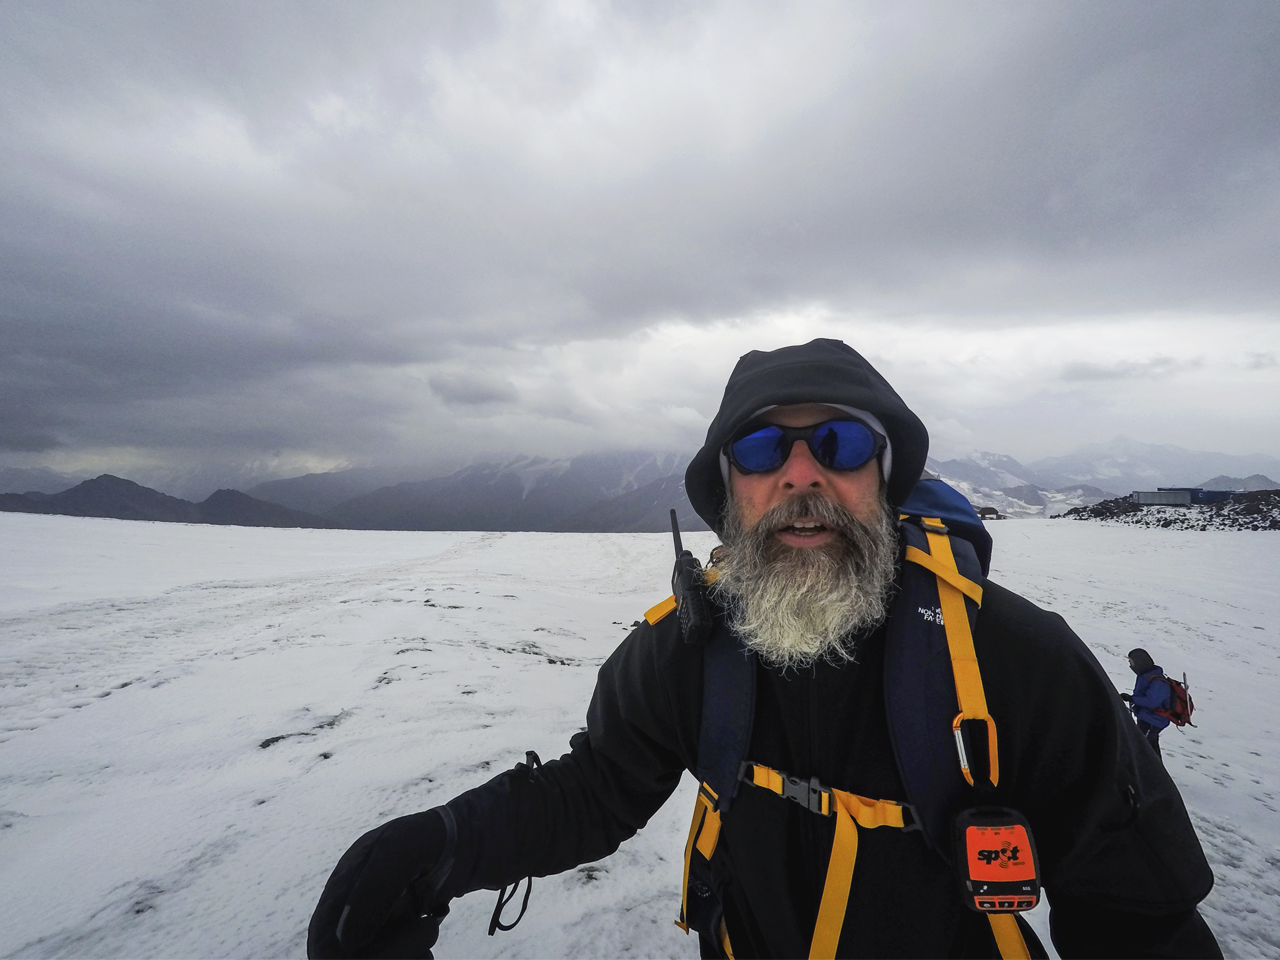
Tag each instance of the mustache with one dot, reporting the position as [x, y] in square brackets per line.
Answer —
[809, 506]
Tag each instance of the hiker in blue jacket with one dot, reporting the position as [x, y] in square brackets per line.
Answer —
[1150, 693]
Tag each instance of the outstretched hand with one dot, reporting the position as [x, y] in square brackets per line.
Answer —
[382, 899]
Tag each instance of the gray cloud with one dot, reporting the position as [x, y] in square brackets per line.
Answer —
[231, 228]
[472, 389]
[1128, 369]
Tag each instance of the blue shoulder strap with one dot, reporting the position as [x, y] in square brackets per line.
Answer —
[728, 711]
[920, 693]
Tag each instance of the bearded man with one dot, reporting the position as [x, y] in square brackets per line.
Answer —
[802, 474]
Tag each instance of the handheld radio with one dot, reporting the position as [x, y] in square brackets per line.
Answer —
[690, 589]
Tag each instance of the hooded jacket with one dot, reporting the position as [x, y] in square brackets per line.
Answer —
[1120, 857]
[1151, 693]
[820, 371]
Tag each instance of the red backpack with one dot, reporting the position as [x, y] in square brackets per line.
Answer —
[1180, 706]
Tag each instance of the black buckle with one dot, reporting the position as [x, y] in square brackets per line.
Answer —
[915, 818]
[809, 794]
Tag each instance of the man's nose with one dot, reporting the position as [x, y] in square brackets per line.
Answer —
[802, 471]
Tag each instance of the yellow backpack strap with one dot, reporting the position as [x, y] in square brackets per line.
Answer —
[725, 945]
[704, 832]
[953, 587]
[851, 811]
[660, 610]
[1009, 938]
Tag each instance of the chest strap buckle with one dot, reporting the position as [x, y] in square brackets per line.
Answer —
[810, 794]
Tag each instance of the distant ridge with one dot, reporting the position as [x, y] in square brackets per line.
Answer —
[231, 507]
[1124, 465]
[523, 493]
[593, 493]
[119, 499]
[628, 491]
[1092, 474]
[995, 480]
[35, 480]
[318, 493]
[1246, 484]
[645, 510]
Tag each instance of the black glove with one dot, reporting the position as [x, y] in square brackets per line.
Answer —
[1126, 698]
[383, 898]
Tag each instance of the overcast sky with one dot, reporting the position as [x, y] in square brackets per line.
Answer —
[249, 240]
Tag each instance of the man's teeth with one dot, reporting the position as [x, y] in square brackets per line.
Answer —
[806, 525]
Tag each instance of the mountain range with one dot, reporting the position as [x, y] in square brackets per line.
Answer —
[1124, 465]
[114, 497]
[623, 492]
[35, 480]
[320, 492]
[617, 492]
[1117, 468]
[1094, 473]
[1242, 484]
[592, 492]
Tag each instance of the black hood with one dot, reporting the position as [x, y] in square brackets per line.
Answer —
[1140, 661]
[820, 371]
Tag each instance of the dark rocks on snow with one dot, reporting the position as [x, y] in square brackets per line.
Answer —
[1252, 510]
[1106, 510]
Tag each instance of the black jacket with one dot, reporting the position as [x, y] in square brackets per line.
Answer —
[1120, 861]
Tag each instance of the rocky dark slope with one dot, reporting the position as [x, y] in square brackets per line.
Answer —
[1253, 510]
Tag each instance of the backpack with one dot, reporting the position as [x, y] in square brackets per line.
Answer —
[1180, 706]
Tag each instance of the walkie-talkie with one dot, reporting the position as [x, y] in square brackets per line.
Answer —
[690, 589]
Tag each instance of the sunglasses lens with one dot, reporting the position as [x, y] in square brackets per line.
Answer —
[836, 444]
[843, 444]
[761, 451]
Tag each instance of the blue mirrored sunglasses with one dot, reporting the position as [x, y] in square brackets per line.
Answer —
[835, 444]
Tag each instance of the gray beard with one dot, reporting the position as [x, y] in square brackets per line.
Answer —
[794, 606]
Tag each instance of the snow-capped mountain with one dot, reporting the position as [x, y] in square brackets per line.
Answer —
[1000, 481]
[1125, 465]
[1093, 473]
[524, 493]
[991, 471]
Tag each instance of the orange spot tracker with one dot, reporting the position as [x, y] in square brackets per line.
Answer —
[997, 859]
[999, 853]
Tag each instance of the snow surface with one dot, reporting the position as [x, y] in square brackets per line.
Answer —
[196, 721]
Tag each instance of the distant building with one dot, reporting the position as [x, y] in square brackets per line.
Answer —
[1162, 498]
[1178, 496]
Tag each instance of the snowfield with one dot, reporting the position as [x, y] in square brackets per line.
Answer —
[196, 721]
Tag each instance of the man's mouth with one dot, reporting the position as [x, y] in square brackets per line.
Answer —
[803, 528]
